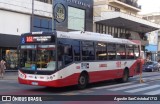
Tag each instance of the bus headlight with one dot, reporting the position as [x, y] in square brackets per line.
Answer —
[21, 75]
[51, 77]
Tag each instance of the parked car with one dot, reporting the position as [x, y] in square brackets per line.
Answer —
[151, 66]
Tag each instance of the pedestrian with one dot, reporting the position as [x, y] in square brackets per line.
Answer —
[2, 68]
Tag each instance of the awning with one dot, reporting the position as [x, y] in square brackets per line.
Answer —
[119, 19]
[9, 40]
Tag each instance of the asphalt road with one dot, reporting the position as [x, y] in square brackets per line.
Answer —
[151, 86]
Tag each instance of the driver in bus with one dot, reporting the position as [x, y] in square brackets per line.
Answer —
[51, 65]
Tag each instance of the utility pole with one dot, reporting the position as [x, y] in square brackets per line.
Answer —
[53, 17]
[32, 16]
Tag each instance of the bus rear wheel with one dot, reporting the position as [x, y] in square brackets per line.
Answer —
[124, 78]
[82, 81]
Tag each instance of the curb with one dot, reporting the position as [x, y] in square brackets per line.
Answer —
[11, 70]
[10, 78]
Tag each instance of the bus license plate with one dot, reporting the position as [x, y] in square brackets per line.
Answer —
[35, 83]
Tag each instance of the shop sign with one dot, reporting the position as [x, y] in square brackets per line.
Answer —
[60, 12]
[79, 2]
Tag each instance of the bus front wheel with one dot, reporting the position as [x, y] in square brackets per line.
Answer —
[125, 76]
[82, 81]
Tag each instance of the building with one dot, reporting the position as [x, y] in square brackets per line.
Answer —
[153, 48]
[116, 17]
[120, 19]
[21, 16]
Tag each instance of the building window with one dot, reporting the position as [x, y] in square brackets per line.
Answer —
[97, 28]
[45, 1]
[42, 24]
[101, 28]
[106, 29]
[113, 31]
[110, 30]
[116, 33]
[76, 19]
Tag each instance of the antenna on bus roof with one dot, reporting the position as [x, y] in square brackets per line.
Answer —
[82, 32]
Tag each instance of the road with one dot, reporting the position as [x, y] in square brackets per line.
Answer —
[151, 86]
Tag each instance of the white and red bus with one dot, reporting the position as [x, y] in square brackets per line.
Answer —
[58, 59]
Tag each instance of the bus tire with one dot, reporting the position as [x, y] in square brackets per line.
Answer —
[125, 77]
[82, 81]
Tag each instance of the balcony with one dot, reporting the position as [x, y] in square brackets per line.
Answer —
[131, 3]
[127, 3]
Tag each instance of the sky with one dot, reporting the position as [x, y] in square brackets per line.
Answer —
[149, 6]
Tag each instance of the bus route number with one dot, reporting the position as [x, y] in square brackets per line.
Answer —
[29, 39]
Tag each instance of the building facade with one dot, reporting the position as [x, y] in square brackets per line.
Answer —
[120, 18]
[116, 17]
[23, 16]
[153, 48]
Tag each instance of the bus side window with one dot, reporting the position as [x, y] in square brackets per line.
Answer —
[88, 51]
[60, 53]
[65, 54]
[67, 57]
[130, 51]
[101, 51]
[121, 52]
[136, 51]
[111, 48]
[76, 50]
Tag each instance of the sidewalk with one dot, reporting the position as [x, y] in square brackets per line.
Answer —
[10, 75]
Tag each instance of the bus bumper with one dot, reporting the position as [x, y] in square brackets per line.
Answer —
[55, 83]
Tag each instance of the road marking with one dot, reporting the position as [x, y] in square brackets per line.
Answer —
[142, 89]
[69, 93]
[151, 78]
[115, 85]
[8, 87]
[86, 91]
[126, 87]
[155, 92]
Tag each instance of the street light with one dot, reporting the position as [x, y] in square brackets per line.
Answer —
[32, 16]
[53, 18]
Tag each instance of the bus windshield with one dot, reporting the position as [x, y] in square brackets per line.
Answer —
[38, 57]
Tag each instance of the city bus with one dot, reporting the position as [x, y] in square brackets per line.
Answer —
[59, 59]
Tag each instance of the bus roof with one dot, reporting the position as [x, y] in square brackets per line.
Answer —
[91, 36]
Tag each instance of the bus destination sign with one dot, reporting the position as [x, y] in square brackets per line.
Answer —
[37, 39]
